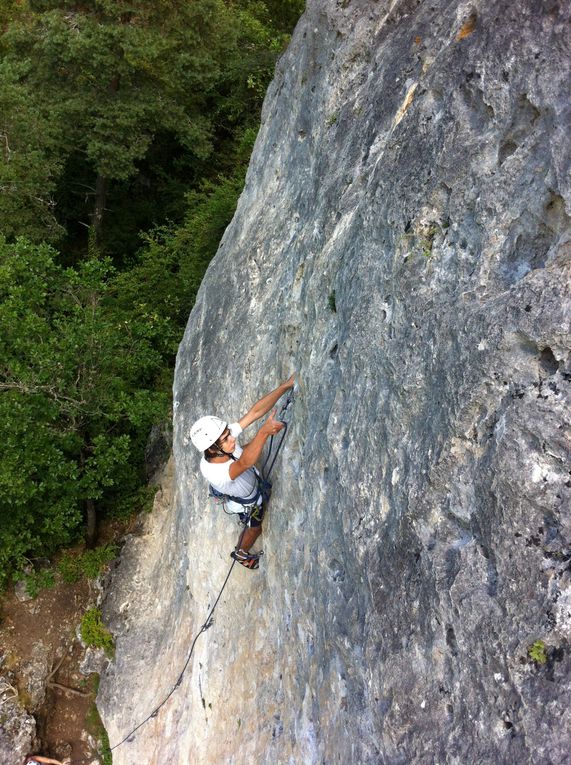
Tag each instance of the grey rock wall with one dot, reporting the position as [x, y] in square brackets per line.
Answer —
[403, 243]
[17, 726]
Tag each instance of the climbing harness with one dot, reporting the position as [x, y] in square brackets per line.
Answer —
[262, 490]
[263, 479]
[251, 505]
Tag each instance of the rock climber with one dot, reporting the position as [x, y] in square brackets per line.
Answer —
[38, 759]
[230, 468]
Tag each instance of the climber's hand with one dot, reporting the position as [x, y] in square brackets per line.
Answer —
[272, 426]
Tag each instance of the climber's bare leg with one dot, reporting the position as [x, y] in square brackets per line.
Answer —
[249, 537]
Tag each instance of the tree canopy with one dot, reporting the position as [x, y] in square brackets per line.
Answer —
[103, 98]
[77, 376]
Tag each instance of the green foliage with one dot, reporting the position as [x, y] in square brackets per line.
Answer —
[420, 240]
[81, 351]
[37, 581]
[140, 500]
[120, 74]
[29, 160]
[427, 240]
[9, 10]
[112, 104]
[169, 268]
[331, 302]
[38, 509]
[94, 633]
[89, 563]
[70, 568]
[537, 653]
[77, 399]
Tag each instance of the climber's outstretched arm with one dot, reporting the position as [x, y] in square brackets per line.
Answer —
[264, 405]
[252, 451]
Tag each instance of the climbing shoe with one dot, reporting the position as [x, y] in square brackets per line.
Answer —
[249, 560]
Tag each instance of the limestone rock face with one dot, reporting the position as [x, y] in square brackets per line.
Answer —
[17, 726]
[403, 243]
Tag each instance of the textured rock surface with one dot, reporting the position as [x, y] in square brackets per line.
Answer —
[403, 243]
[17, 727]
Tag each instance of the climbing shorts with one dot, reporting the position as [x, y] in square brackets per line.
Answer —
[254, 519]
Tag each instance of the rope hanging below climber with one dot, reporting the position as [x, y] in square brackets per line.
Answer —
[247, 498]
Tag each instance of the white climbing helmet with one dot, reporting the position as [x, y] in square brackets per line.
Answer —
[206, 431]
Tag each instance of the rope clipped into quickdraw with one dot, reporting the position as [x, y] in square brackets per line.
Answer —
[281, 418]
[209, 620]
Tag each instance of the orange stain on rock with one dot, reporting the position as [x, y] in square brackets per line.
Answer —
[467, 27]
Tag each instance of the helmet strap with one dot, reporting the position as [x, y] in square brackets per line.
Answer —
[217, 451]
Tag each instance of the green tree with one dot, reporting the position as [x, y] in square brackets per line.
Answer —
[170, 266]
[77, 397]
[30, 162]
[9, 10]
[141, 99]
[118, 74]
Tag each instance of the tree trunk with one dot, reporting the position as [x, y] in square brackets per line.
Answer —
[101, 186]
[91, 534]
